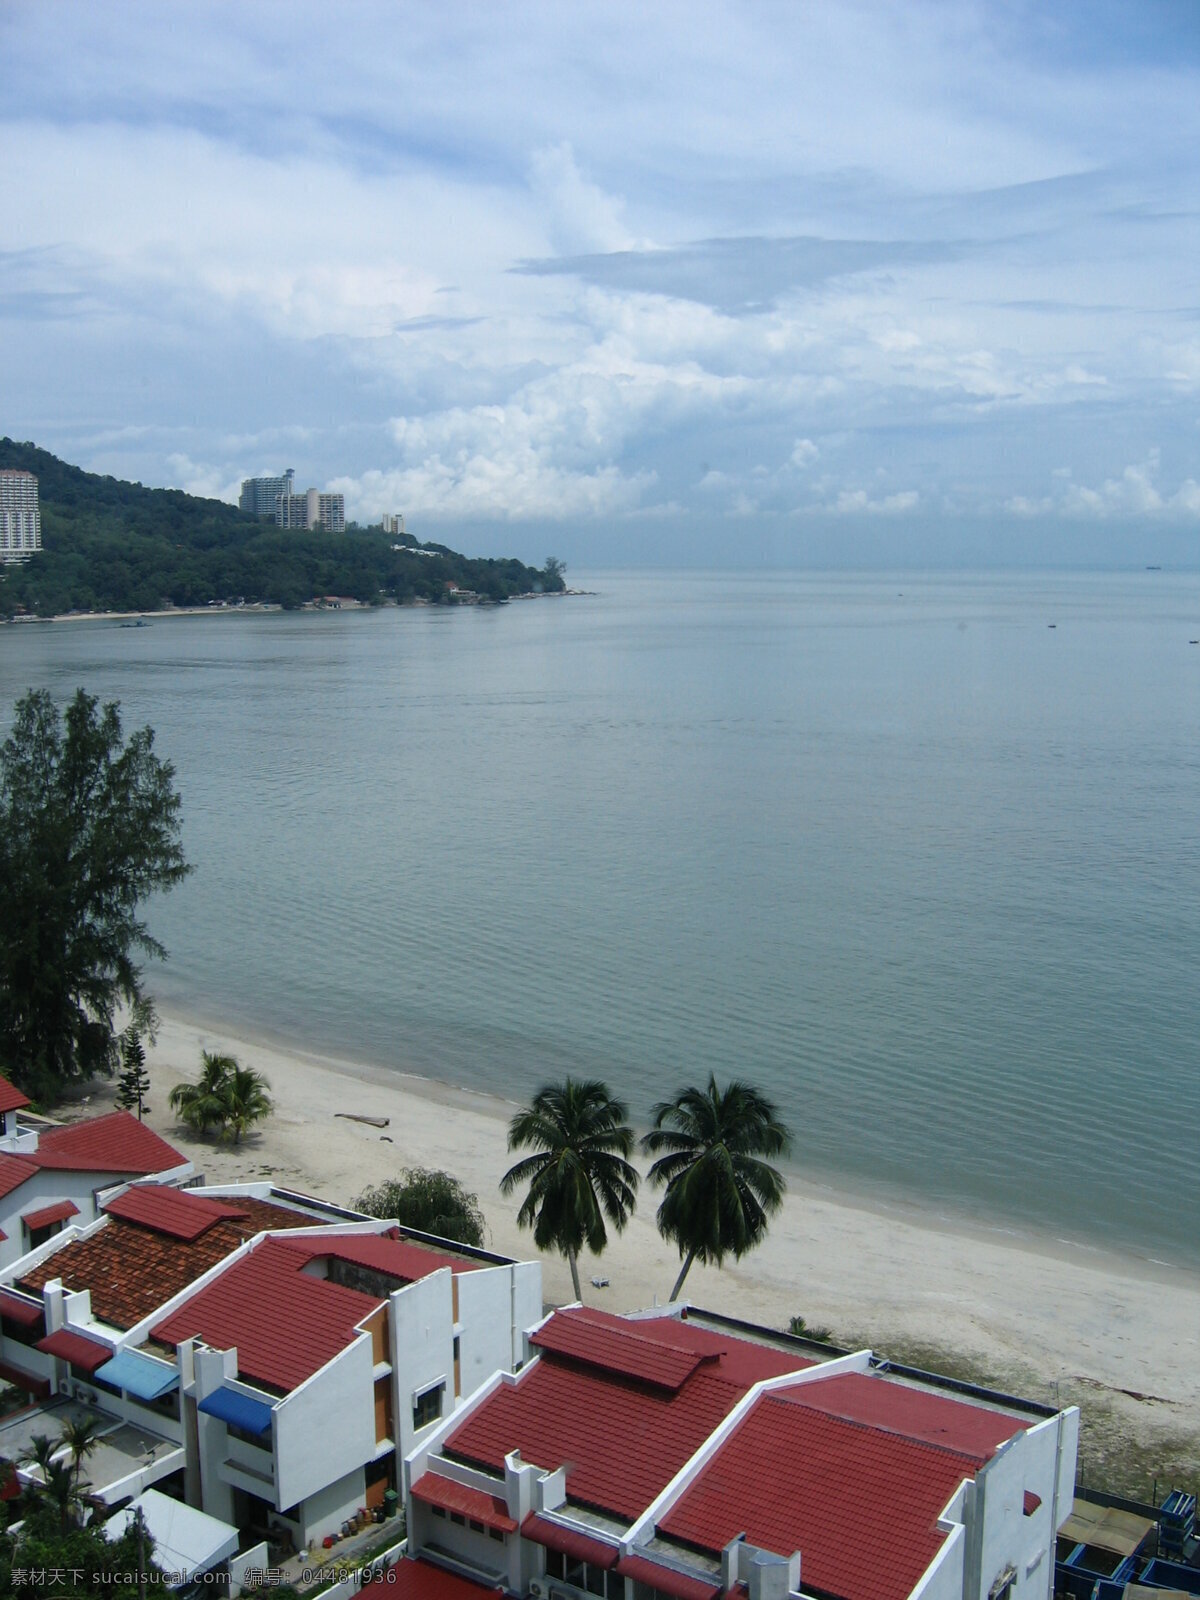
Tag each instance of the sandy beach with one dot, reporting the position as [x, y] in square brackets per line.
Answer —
[1053, 1319]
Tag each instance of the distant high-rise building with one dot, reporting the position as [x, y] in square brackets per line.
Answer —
[259, 495]
[311, 510]
[393, 524]
[20, 516]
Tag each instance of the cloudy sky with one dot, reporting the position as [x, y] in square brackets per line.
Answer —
[698, 283]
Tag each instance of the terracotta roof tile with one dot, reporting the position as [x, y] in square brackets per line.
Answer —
[284, 1324]
[14, 1171]
[56, 1211]
[401, 1259]
[621, 1439]
[421, 1580]
[620, 1350]
[117, 1142]
[490, 1509]
[131, 1270]
[918, 1413]
[11, 1098]
[179, 1213]
[793, 1477]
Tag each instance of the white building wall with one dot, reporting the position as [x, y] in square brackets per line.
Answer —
[45, 1187]
[495, 1306]
[943, 1578]
[421, 1324]
[1000, 1535]
[326, 1510]
[325, 1429]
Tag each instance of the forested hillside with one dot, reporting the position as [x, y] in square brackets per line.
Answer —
[109, 545]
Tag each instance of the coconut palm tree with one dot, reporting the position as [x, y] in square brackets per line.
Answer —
[81, 1436]
[579, 1174]
[719, 1191]
[246, 1099]
[201, 1105]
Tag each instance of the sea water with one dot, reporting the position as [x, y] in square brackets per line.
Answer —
[919, 856]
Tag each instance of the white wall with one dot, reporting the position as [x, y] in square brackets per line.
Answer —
[48, 1185]
[335, 1503]
[326, 1428]
[421, 1324]
[495, 1306]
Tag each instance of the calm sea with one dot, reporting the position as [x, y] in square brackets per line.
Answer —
[918, 855]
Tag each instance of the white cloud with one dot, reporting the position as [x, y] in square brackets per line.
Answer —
[858, 501]
[804, 453]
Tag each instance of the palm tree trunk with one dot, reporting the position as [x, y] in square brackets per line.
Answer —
[683, 1272]
[571, 1257]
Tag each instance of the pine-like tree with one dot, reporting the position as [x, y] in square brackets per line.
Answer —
[133, 1083]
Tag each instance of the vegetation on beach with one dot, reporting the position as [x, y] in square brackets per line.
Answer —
[109, 545]
[579, 1174]
[227, 1097]
[720, 1193]
[429, 1201]
[89, 827]
[133, 1081]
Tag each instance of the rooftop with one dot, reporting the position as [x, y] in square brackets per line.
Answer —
[284, 1323]
[622, 1404]
[133, 1267]
[117, 1142]
[11, 1098]
[798, 1471]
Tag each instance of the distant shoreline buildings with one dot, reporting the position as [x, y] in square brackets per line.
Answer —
[20, 516]
[276, 498]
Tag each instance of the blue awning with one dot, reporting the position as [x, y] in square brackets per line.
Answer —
[138, 1375]
[233, 1406]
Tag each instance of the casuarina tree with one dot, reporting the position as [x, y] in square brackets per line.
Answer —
[89, 827]
[133, 1081]
[579, 1174]
[720, 1192]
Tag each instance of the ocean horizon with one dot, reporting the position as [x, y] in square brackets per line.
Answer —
[916, 853]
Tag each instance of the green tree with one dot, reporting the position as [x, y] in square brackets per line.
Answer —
[720, 1192]
[133, 1082]
[431, 1201]
[228, 1097]
[246, 1098]
[201, 1105]
[89, 827]
[91, 1566]
[579, 1174]
[80, 1436]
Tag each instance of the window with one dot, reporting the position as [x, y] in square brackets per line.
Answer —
[438, 1511]
[427, 1407]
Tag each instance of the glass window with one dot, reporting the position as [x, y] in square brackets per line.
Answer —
[428, 1407]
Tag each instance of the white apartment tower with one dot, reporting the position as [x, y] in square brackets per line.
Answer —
[392, 523]
[311, 510]
[20, 518]
[259, 495]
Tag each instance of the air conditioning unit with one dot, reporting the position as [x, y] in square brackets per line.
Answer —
[537, 1589]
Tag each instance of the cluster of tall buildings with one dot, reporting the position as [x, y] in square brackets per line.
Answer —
[20, 516]
[277, 498]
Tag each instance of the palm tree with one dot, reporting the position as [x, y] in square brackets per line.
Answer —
[81, 1436]
[719, 1192]
[60, 1493]
[246, 1098]
[579, 1174]
[201, 1105]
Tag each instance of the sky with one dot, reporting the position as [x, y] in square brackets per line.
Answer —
[699, 284]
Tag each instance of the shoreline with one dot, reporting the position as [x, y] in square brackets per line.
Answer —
[1054, 1320]
[260, 608]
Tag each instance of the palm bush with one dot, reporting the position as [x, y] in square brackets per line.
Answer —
[228, 1097]
[579, 1173]
[719, 1191]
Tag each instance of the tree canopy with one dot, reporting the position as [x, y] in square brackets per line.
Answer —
[579, 1174]
[109, 545]
[719, 1192]
[89, 827]
[430, 1201]
[227, 1096]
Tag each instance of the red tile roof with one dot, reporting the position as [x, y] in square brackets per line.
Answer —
[394, 1258]
[11, 1098]
[621, 1439]
[14, 1171]
[15, 1308]
[130, 1270]
[76, 1348]
[918, 1413]
[1030, 1502]
[666, 1580]
[117, 1142]
[569, 1541]
[179, 1213]
[421, 1580]
[284, 1324]
[794, 1477]
[58, 1211]
[434, 1490]
[620, 1350]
